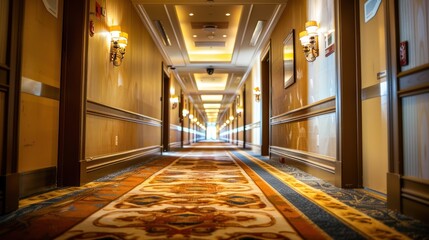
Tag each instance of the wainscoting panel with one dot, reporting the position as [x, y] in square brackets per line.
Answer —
[311, 129]
[306, 138]
[175, 136]
[117, 138]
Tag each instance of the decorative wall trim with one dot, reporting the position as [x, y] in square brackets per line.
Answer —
[39, 89]
[415, 197]
[413, 70]
[102, 110]
[98, 162]
[185, 129]
[252, 126]
[175, 127]
[414, 81]
[318, 161]
[37, 181]
[321, 107]
[175, 145]
[376, 90]
[252, 145]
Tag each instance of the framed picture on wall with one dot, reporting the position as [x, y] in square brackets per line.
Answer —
[289, 59]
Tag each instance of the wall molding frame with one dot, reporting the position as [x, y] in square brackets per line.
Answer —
[102, 110]
[251, 126]
[322, 107]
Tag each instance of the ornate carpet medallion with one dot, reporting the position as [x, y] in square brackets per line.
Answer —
[196, 197]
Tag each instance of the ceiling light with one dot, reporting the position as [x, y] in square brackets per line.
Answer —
[214, 82]
[191, 14]
[211, 105]
[194, 35]
[257, 33]
[224, 36]
[211, 98]
[227, 14]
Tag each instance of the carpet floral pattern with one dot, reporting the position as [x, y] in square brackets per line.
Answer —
[204, 194]
[197, 197]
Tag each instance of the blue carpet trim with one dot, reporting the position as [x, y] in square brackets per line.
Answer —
[330, 224]
[372, 206]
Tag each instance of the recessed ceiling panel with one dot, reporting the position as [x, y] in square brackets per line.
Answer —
[209, 32]
[211, 105]
[211, 110]
[211, 98]
[216, 81]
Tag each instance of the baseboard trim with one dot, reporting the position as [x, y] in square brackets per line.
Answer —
[100, 166]
[318, 165]
[324, 163]
[96, 163]
[37, 181]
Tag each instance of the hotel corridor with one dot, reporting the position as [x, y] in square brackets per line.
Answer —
[210, 190]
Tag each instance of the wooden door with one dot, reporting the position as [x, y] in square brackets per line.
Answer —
[11, 15]
[408, 77]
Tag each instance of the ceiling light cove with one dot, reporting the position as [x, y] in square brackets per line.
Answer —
[211, 98]
[211, 105]
[214, 82]
[216, 31]
[212, 110]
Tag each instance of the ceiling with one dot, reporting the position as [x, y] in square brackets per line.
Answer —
[196, 35]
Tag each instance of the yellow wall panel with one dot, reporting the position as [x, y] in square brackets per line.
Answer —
[38, 142]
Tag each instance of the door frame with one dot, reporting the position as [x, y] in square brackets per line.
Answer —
[405, 194]
[165, 103]
[266, 60]
[10, 86]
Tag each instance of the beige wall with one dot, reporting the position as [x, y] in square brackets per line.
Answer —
[41, 62]
[134, 87]
[374, 108]
[315, 82]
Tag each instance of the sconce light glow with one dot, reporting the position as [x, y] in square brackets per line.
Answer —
[185, 112]
[310, 41]
[119, 41]
[257, 93]
[174, 100]
[239, 111]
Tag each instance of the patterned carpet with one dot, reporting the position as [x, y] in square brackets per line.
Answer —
[210, 194]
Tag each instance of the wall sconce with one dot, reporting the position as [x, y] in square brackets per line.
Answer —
[185, 112]
[118, 43]
[257, 93]
[309, 40]
[239, 111]
[174, 100]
